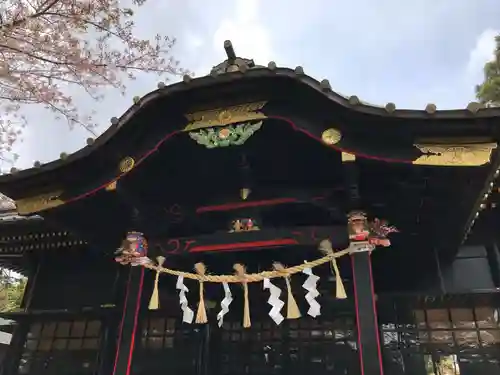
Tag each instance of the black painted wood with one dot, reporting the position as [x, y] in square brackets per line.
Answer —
[108, 345]
[366, 315]
[127, 330]
[13, 355]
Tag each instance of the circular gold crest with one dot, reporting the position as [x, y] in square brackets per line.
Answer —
[331, 136]
[126, 164]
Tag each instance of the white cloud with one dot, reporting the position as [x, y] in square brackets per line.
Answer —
[193, 41]
[251, 39]
[482, 52]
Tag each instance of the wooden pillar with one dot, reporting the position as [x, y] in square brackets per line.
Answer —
[110, 323]
[370, 351]
[369, 346]
[127, 330]
[108, 346]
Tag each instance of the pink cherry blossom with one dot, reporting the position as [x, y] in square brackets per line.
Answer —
[48, 46]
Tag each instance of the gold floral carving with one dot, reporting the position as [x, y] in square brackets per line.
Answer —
[457, 155]
[39, 203]
[225, 116]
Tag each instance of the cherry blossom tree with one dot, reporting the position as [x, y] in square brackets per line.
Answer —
[50, 46]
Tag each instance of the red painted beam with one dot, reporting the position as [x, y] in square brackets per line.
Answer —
[245, 204]
[244, 245]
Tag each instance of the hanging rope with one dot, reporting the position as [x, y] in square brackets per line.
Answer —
[249, 277]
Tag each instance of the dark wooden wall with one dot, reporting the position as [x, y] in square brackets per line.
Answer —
[472, 268]
[75, 280]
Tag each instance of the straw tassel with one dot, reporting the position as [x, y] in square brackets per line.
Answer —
[201, 314]
[340, 290]
[325, 247]
[292, 309]
[154, 302]
[241, 273]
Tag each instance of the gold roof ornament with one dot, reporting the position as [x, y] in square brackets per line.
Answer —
[457, 155]
[39, 203]
[126, 164]
[225, 116]
[111, 186]
[331, 136]
[244, 193]
[348, 157]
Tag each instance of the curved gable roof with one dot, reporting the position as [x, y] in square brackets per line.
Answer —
[120, 127]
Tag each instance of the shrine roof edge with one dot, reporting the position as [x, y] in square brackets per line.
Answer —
[474, 112]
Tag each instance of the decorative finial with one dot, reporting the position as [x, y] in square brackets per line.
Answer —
[325, 85]
[232, 63]
[390, 107]
[231, 55]
[430, 108]
[354, 100]
[473, 107]
[299, 70]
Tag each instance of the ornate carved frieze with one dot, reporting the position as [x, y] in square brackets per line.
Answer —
[231, 135]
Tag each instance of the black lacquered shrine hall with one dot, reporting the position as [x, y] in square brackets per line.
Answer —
[255, 165]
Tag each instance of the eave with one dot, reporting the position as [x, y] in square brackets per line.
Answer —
[170, 104]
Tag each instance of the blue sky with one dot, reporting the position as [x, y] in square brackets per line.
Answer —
[409, 53]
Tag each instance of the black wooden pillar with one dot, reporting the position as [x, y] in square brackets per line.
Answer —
[127, 330]
[369, 345]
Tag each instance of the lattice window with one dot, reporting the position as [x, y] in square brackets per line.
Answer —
[167, 345]
[296, 346]
[444, 341]
[318, 346]
[61, 347]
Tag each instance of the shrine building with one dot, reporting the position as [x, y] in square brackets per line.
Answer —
[254, 221]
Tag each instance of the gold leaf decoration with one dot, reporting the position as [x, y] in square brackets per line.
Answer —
[458, 155]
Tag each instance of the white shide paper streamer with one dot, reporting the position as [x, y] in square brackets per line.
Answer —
[187, 313]
[274, 301]
[312, 292]
[224, 305]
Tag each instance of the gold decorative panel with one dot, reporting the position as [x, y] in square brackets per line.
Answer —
[347, 157]
[455, 155]
[225, 116]
[39, 203]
